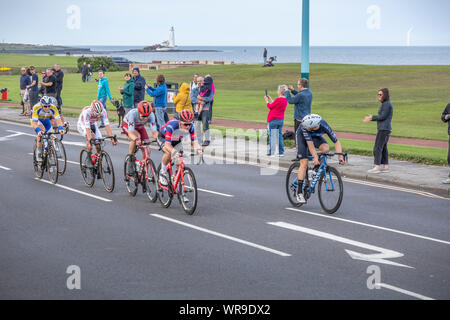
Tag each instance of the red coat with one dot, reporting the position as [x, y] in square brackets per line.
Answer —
[277, 109]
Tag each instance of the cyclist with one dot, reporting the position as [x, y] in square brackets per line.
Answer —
[41, 116]
[87, 124]
[133, 126]
[172, 132]
[309, 137]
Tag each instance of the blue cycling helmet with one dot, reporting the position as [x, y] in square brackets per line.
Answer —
[46, 101]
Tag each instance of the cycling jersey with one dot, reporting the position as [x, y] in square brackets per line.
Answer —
[87, 117]
[40, 114]
[172, 133]
[133, 121]
[324, 128]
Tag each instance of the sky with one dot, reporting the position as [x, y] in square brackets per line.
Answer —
[226, 23]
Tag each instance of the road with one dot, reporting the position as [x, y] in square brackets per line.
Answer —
[243, 242]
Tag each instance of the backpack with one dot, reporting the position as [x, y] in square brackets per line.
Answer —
[289, 135]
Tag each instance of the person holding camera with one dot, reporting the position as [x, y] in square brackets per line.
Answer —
[275, 120]
[446, 118]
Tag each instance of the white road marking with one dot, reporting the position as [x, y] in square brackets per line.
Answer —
[68, 161]
[409, 293]
[221, 235]
[372, 258]
[5, 138]
[5, 168]
[383, 186]
[217, 193]
[75, 190]
[370, 225]
[22, 133]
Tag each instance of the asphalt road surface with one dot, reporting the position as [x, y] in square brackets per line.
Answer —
[244, 241]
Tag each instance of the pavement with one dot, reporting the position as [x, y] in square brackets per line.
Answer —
[244, 242]
[225, 149]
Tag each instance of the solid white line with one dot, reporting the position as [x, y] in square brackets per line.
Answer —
[5, 168]
[217, 193]
[371, 226]
[75, 190]
[221, 235]
[409, 293]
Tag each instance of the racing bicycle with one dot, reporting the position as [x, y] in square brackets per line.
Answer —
[48, 161]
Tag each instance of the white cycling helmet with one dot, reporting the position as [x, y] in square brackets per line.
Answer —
[96, 107]
[45, 101]
[311, 121]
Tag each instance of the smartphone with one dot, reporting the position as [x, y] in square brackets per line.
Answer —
[267, 94]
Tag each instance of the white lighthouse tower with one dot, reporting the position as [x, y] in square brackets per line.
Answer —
[172, 38]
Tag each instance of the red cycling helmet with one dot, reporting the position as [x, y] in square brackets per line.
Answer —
[144, 108]
[96, 107]
[186, 116]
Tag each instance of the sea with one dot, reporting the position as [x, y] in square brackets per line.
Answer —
[254, 55]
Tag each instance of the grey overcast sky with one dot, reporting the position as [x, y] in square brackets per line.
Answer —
[231, 22]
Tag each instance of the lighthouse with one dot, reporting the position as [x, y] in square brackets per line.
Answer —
[172, 38]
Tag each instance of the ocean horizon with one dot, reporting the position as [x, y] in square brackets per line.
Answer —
[367, 55]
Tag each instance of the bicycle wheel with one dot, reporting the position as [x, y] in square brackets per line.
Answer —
[151, 181]
[52, 164]
[331, 190]
[187, 193]
[164, 196]
[61, 155]
[87, 168]
[291, 184]
[38, 165]
[130, 181]
[107, 172]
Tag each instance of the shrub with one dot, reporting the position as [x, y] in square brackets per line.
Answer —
[95, 63]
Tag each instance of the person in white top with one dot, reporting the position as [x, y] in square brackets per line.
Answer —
[87, 124]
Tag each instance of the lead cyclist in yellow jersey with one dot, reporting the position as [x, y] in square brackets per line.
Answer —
[41, 116]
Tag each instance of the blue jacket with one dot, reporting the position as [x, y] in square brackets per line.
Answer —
[103, 89]
[194, 94]
[160, 95]
[25, 80]
[139, 88]
[302, 101]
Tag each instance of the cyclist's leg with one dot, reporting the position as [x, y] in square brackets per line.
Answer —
[95, 131]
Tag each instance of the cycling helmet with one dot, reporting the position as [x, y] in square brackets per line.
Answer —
[186, 116]
[96, 107]
[311, 121]
[53, 101]
[45, 101]
[144, 108]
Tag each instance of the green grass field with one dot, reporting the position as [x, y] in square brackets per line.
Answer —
[343, 94]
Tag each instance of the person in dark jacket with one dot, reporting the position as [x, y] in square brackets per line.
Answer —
[84, 71]
[139, 87]
[25, 81]
[446, 118]
[384, 119]
[33, 87]
[301, 100]
[59, 75]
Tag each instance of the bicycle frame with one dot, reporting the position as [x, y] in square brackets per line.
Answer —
[179, 176]
[143, 165]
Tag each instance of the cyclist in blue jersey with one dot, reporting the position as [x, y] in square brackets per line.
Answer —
[308, 138]
[172, 133]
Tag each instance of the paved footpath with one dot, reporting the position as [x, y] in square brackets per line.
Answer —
[402, 173]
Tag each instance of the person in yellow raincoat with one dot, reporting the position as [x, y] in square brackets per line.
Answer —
[182, 100]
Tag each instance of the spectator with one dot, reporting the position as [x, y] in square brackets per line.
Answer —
[89, 73]
[203, 106]
[302, 100]
[49, 83]
[182, 100]
[25, 81]
[194, 83]
[265, 56]
[275, 120]
[160, 101]
[127, 91]
[103, 93]
[384, 127]
[59, 75]
[84, 71]
[102, 68]
[195, 92]
[33, 87]
[214, 93]
[139, 87]
[446, 118]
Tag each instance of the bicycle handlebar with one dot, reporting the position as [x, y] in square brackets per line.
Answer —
[114, 137]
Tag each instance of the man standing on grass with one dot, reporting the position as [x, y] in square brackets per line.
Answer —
[59, 75]
[49, 83]
[103, 92]
[139, 87]
[302, 100]
[25, 81]
[33, 87]
[446, 118]
[84, 71]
